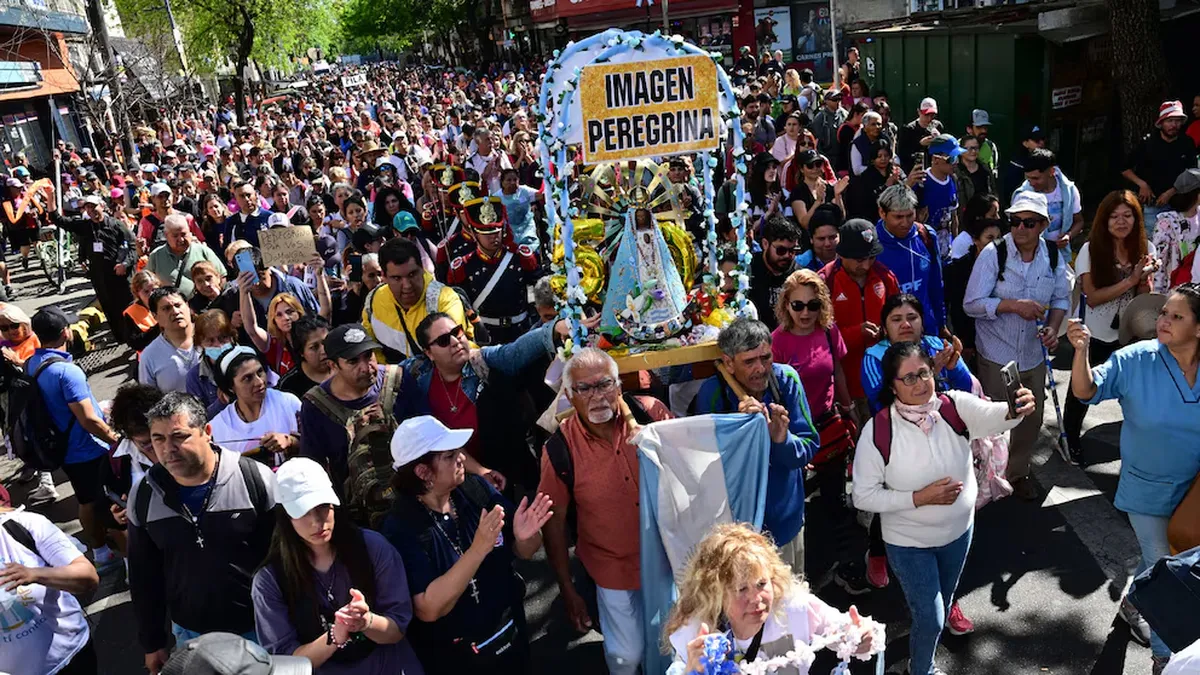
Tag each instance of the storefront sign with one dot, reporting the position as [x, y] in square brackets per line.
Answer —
[649, 108]
[354, 80]
[1065, 97]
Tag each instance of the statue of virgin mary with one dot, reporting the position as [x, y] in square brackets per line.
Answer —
[646, 298]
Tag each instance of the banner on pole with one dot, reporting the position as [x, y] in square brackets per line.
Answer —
[642, 109]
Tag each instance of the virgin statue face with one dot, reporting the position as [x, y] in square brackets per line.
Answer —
[642, 219]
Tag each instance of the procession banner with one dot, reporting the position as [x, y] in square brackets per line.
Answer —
[642, 109]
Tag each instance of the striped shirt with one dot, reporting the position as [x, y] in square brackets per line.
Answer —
[1001, 338]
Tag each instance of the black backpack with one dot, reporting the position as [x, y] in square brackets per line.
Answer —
[30, 427]
[22, 536]
[564, 466]
[1002, 257]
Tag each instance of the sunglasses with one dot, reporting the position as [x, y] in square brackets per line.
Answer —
[782, 251]
[811, 305]
[444, 339]
[1029, 223]
[815, 164]
[912, 378]
[4, 328]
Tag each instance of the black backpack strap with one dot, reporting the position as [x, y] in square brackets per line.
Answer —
[1053, 252]
[560, 459]
[49, 361]
[1001, 258]
[254, 485]
[23, 537]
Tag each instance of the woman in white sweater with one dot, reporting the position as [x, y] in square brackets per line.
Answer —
[914, 468]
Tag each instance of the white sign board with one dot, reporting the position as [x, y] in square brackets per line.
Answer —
[354, 80]
[1066, 97]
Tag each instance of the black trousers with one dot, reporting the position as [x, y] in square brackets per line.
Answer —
[84, 662]
[114, 295]
[1075, 410]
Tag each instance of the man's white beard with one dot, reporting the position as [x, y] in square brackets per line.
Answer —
[600, 416]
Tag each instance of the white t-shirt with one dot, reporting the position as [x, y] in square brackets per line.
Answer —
[278, 414]
[961, 245]
[41, 629]
[1099, 319]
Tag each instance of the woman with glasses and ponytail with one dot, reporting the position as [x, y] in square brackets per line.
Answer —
[913, 466]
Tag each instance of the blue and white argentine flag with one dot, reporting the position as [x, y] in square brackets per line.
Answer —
[695, 472]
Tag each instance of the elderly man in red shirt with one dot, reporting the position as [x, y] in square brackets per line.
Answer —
[590, 462]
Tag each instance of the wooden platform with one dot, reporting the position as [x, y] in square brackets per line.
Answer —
[679, 356]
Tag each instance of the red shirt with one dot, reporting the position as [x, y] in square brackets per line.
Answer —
[443, 396]
[852, 306]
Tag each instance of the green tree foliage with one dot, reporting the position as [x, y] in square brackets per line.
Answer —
[220, 33]
[396, 24]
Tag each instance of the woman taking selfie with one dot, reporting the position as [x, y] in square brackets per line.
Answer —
[916, 470]
[329, 591]
[737, 591]
[458, 548]
[1114, 267]
[1156, 384]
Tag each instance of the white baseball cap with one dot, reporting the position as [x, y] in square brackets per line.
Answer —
[928, 105]
[1027, 200]
[159, 188]
[419, 436]
[278, 220]
[303, 485]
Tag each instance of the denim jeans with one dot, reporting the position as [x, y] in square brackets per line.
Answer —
[1151, 533]
[928, 577]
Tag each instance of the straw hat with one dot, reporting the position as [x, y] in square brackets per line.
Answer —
[1139, 318]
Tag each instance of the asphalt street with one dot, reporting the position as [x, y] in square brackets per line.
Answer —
[1042, 582]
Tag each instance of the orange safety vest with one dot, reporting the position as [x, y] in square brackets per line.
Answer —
[141, 316]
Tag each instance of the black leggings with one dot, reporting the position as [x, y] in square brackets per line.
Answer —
[1074, 410]
[83, 663]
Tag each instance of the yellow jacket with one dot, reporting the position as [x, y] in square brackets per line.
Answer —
[383, 321]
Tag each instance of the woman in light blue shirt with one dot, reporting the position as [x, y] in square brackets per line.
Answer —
[1156, 384]
[901, 318]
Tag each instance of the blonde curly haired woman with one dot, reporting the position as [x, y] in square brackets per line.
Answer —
[739, 601]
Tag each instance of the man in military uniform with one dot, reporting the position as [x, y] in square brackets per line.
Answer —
[497, 274]
[437, 213]
[459, 239]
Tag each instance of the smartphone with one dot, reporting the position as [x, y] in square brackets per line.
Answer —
[334, 270]
[245, 263]
[115, 498]
[356, 267]
[918, 160]
[1012, 382]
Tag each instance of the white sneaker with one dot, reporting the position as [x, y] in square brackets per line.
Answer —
[45, 491]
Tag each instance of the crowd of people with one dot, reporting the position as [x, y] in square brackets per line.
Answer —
[340, 460]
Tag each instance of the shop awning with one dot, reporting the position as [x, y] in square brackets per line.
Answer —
[601, 14]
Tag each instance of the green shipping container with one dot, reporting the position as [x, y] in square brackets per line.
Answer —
[1003, 73]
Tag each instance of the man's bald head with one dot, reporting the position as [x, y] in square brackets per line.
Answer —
[175, 226]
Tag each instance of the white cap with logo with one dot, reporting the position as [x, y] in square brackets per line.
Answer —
[1027, 200]
[419, 436]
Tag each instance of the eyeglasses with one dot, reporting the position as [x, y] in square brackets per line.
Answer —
[602, 387]
[912, 378]
[811, 305]
[787, 251]
[444, 339]
[1029, 223]
[4, 328]
[969, 148]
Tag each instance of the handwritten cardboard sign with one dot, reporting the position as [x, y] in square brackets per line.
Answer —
[287, 245]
